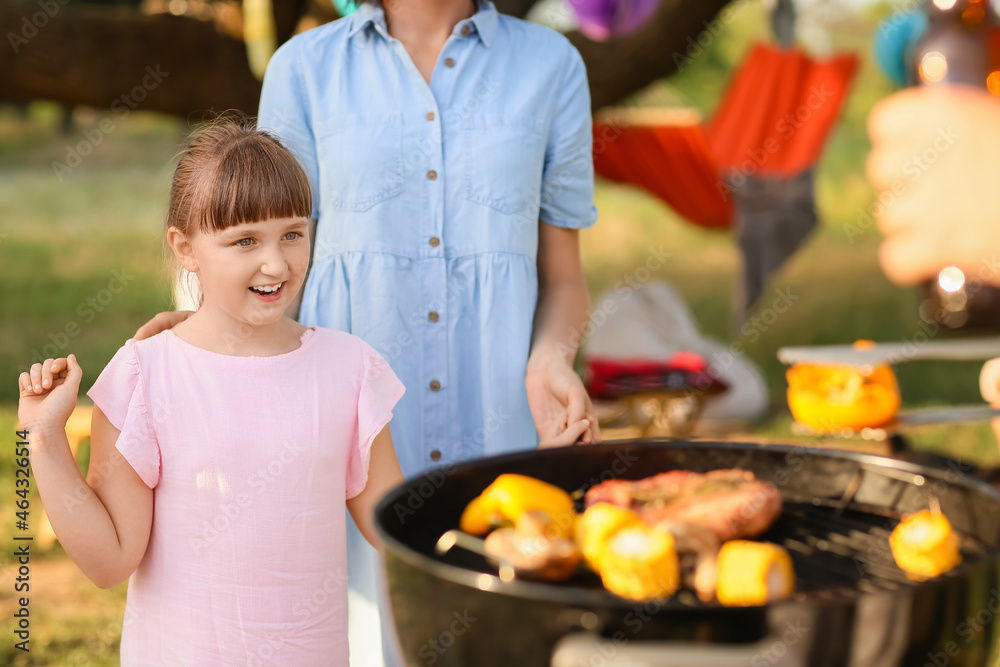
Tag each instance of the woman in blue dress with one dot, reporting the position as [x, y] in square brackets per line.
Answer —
[449, 149]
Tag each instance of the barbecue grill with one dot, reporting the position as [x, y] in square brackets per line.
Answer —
[852, 605]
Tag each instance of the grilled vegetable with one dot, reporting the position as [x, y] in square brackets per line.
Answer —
[477, 518]
[827, 397]
[640, 563]
[753, 573]
[510, 496]
[531, 552]
[924, 545]
[597, 524]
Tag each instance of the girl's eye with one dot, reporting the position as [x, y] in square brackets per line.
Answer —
[292, 236]
[241, 243]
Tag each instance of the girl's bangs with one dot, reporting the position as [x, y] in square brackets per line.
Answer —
[253, 181]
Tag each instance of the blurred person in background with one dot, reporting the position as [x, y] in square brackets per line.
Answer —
[938, 207]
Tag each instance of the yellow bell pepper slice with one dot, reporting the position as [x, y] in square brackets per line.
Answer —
[832, 397]
[510, 496]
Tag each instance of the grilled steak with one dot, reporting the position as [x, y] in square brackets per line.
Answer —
[730, 503]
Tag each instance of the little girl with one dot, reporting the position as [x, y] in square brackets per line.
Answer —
[222, 450]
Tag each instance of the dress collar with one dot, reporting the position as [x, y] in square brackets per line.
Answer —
[484, 21]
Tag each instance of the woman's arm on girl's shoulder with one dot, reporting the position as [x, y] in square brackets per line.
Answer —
[383, 475]
[103, 521]
[162, 322]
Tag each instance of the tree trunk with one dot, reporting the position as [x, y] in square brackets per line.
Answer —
[116, 58]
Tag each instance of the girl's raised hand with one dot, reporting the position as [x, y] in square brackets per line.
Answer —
[48, 393]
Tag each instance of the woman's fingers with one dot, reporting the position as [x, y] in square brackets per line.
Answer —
[577, 408]
[162, 322]
[567, 437]
[575, 430]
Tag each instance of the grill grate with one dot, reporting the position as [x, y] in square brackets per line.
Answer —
[843, 552]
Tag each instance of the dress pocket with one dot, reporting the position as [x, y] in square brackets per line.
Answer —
[504, 156]
[360, 160]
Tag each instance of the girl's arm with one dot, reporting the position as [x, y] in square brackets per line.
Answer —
[383, 475]
[103, 521]
[558, 401]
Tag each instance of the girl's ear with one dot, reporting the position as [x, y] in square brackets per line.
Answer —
[180, 243]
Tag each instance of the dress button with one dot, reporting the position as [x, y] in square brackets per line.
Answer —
[435, 385]
[435, 241]
[436, 455]
[433, 316]
[430, 115]
[432, 175]
[465, 30]
[449, 62]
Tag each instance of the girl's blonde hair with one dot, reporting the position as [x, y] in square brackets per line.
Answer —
[231, 173]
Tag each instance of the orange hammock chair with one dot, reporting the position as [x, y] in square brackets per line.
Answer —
[772, 121]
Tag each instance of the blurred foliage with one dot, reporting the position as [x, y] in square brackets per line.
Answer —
[61, 241]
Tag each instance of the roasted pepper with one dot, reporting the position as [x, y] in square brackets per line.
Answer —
[640, 563]
[753, 573]
[924, 545]
[510, 495]
[830, 397]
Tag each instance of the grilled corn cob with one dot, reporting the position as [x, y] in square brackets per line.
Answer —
[640, 563]
[597, 524]
[924, 545]
[753, 573]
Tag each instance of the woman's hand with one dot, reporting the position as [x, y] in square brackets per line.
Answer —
[560, 406]
[162, 322]
[48, 394]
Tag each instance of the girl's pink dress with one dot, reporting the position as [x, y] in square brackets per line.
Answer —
[250, 460]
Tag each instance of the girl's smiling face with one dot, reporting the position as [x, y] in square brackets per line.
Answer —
[251, 271]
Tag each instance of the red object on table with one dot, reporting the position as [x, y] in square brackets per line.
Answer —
[685, 372]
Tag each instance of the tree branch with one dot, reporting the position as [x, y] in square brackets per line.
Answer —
[619, 67]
